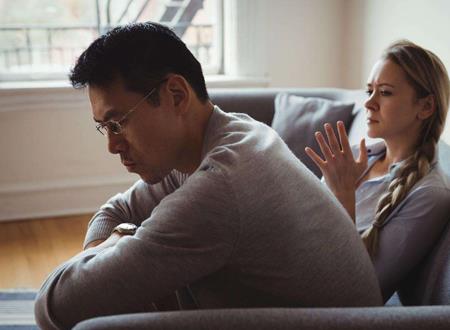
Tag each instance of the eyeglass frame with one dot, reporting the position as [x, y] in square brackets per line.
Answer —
[118, 123]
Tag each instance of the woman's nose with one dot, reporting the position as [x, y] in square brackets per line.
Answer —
[371, 103]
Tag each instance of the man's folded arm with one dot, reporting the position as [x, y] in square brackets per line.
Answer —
[134, 205]
[189, 235]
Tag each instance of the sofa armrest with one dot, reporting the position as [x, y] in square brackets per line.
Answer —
[407, 318]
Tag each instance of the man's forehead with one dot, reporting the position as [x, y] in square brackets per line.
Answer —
[106, 101]
[103, 105]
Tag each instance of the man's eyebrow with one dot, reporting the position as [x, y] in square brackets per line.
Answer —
[108, 115]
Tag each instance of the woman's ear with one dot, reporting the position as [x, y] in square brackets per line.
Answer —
[428, 107]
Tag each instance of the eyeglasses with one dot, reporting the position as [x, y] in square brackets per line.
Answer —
[116, 126]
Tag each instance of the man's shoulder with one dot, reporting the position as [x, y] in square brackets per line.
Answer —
[234, 136]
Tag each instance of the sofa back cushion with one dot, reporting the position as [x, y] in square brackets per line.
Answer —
[429, 283]
[297, 118]
[259, 102]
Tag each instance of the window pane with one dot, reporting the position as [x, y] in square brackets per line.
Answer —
[40, 39]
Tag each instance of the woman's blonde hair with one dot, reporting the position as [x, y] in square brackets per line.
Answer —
[428, 76]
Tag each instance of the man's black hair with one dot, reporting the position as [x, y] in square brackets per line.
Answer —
[141, 54]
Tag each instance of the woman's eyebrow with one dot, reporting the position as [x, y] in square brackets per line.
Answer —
[381, 84]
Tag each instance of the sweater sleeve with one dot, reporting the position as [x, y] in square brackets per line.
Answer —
[407, 236]
[134, 205]
[189, 235]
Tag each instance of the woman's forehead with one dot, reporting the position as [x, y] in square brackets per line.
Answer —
[386, 72]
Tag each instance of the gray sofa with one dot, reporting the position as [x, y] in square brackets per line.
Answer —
[424, 297]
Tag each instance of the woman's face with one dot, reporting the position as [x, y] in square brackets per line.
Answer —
[392, 107]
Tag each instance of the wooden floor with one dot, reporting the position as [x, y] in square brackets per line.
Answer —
[30, 249]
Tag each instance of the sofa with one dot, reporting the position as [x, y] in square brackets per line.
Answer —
[422, 301]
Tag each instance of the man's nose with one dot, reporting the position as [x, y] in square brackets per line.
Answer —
[116, 143]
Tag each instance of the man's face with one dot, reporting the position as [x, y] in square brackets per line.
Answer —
[150, 141]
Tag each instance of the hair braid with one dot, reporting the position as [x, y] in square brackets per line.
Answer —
[414, 169]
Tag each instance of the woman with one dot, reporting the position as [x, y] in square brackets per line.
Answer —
[395, 192]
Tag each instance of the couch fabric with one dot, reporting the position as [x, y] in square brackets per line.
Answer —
[297, 118]
[374, 318]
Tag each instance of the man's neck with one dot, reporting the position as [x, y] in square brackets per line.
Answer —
[198, 123]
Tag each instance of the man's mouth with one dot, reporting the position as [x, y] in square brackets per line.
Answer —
[127, 162]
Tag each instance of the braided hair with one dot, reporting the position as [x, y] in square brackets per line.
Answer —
[428, 76]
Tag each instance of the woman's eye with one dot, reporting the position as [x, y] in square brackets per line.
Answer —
[369, 92]
[385, 93]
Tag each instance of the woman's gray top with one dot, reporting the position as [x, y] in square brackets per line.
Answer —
[412, 228]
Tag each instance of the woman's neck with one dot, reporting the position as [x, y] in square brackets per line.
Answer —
[397, 151]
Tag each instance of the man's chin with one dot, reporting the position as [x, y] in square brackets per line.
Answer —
[151, 179]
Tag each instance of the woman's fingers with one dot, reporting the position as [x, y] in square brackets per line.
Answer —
[315, 158]
[343, 138]
[363, 157]
[332, 140]
[327, 153]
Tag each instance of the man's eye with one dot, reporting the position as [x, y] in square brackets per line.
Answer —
[114, 127]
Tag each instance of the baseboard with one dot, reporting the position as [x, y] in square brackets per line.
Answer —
[59, 198]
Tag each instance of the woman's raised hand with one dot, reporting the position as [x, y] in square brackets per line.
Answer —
[339, 168]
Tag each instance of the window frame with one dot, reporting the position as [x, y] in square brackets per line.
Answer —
[216, 68]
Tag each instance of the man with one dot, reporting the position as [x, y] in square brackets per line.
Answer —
[225, 215]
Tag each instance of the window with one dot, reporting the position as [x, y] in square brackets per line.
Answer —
[40, 39]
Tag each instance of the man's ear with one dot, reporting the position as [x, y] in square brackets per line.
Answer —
[179, 91]
[428, 107]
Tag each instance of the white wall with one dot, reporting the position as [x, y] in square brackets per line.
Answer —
[53, 162]
[380, 22]
[374, 24]
[305, 43]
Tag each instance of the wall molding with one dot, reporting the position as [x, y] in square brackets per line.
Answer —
[20, 201]
[59, 96]
[52, 97]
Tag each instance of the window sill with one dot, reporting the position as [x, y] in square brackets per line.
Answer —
[212, 81]
[59, 95]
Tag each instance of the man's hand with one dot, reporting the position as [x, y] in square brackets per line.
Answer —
[94, 243]
[339, 169]
[110, 241]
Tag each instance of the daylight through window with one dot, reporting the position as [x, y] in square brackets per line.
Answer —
[41, 39]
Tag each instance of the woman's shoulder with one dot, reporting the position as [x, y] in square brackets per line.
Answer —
[436, 178]
[430, 196]
[435, 185]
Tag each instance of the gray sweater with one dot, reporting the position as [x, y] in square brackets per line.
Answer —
[251, 227]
